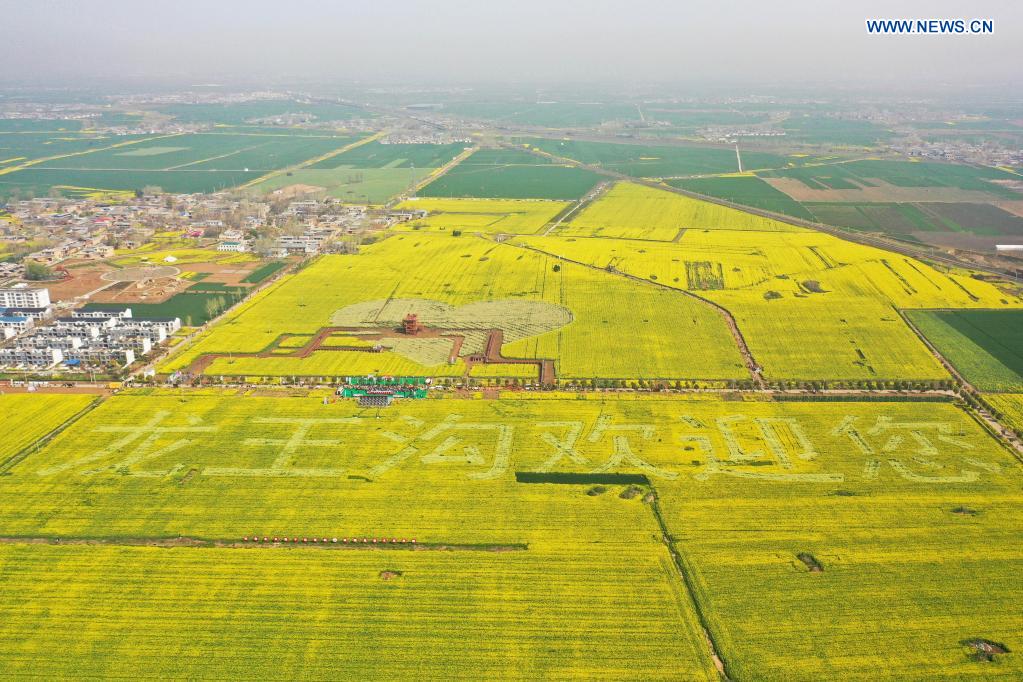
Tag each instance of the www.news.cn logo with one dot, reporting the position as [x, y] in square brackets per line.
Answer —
[930, 26]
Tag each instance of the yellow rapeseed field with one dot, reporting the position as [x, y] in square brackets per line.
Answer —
[810, 305]
[26, 417]
[487, 216]
[908, 510]
[634, 211]
[679, 337]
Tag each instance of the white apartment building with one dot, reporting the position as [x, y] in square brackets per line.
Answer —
[43, 358]
[99, 356]
[101, 314]
[18, 323]
[237, 247]
[23, 296]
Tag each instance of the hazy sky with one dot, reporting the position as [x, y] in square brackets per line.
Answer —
[732, 41]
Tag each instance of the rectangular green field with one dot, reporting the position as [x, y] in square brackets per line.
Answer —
[353, 185]
[511, 174]
[17, 148]
[38, 181]
[982, 219]
[31, 125]
[192, 162]
[207, 152]
[834, 131]
[380, 155]
[660, 161]
[986, 346]
[747, 190]
[192, 308]
[265, 271]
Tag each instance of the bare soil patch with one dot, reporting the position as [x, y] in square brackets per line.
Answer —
[965, 240]
[390, 575]
[1015, 207]
[811, 562]
[141, 291]
[298, 189]
[984, 649]
[141, 273]
[83, 280]
[632, 492]
[224, 273]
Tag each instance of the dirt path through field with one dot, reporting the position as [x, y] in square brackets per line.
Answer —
[740, 341]
[280, 542]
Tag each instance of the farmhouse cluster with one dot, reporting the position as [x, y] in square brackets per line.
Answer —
[98, 339]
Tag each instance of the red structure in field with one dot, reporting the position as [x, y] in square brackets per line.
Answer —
[410, 325]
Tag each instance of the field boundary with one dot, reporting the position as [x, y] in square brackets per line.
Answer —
[20, 456]
[999, 431]
[841, 233]
[290, 542]
[685, 571]
[309, 162]
[35, 162]
[435, 174]
[752, 366]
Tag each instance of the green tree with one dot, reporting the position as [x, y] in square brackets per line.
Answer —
[35, 271]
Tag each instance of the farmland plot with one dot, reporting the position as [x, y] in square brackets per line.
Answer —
[633, 211]
[511, 174]
[192, 162]
[882, 180]
[986, 346]
[368, 173]
[745, 488]
[487, 216]
[27, 418]
[610, 609]
[809, 305]
[207, 151]
[888, 573]
[379, 155]
[657, 161]
[459, 271]
[1010, 405]
[749, 190]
